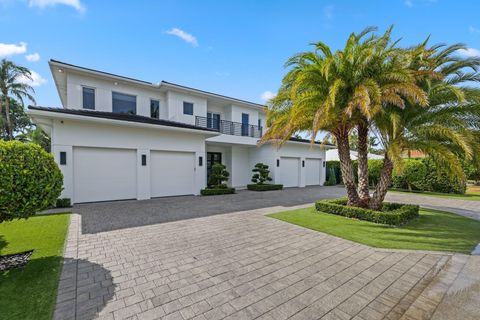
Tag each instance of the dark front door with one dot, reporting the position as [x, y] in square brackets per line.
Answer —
[212, 158]
[245, 121]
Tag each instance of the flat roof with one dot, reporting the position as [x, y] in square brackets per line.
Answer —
[121, 117]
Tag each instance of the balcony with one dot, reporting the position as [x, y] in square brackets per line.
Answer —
[229, 127]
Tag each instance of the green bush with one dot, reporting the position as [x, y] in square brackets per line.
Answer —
[261, 174]
[218, 175]
[264, 187]
[335, 165]
[63, 203]
[394, 214]
[331, 181]
[216, 191]
[412, 177]
[30, 180]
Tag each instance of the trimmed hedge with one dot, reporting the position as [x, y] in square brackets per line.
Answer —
[394, 214]
[264, 187]
[30, 180]
[63, 203]
[216, 191]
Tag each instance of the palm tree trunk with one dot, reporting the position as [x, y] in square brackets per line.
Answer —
[382, 187]
[347, 169]
[8, 125]
[362, 150]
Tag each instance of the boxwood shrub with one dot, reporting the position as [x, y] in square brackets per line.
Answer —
[216, 191]
[394, 214]
[30, 180]
[264, 187]
[63, 203]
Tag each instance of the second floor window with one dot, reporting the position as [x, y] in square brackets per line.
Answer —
[155, 109]
[124, 103]
[88, 95]
[188, 108]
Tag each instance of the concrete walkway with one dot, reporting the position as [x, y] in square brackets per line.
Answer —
[238, 266]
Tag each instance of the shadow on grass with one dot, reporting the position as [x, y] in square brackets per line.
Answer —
[3, 242]
[31, 292]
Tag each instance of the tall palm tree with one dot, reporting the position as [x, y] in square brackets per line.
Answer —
[12, 85]
[335, 92]
[447, 129]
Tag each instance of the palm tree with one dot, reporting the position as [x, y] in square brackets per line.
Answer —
[447, 129]
[336, 92]
[12, 85]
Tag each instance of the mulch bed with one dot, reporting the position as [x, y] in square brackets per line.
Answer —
[16, 260]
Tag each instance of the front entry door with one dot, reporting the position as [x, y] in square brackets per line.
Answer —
[212, 158]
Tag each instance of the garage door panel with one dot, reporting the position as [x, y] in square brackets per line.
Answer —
[172, 173]
[289, 171]
[313, 171]
[102, 174]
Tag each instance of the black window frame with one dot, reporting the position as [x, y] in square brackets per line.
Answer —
[85, 88]
[124, 94]
[188, 112]
[158, 109]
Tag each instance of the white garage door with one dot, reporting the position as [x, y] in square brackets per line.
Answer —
[313, 169]
[172, 173]
[289, 171]
[102, 174]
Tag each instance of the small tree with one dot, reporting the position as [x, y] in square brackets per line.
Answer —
[332, 180]
[30, 180]
[261, 174]
[218, 175]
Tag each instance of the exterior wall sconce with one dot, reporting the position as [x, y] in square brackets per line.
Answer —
[278, 162]
[63, 158]
[200, 161]
[144, 159]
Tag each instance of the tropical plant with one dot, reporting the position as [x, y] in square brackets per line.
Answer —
[12, 85]
[332, 180]
[447, 129]
[218, 176]
[31, 180]
[337, 92]
[261, 174]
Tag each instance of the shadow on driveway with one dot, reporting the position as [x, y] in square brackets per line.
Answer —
[107, 216]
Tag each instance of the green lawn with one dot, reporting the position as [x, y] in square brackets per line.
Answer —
[30, 293]
[467, 196]
[434, 230]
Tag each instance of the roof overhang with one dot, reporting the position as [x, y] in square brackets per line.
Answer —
[45, 119]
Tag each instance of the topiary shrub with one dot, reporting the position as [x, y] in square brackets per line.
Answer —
[218, 175]
[30, 180]
[331, 178]
[261, 174]
[264, 187]
[216, 191]
[336, 169]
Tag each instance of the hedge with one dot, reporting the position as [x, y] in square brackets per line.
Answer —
[264, 187]
[394, 214]
[216, 191]
[63, 203]
[30, 180]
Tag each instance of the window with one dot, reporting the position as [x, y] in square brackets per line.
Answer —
[188, 108]
[88, 98]
[213, 120]
[155, 109]
[245, 121]
[124, 103]
[259, 123]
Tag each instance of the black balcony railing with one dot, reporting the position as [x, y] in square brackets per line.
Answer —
[229, 127]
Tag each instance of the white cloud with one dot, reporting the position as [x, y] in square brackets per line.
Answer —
[328, 12]
[267, 95]
[37, 79]
[469, 52]
[187, 37]
[76, 4]
[408, 3]
[11, 49]
[32, 57]
[472, 29]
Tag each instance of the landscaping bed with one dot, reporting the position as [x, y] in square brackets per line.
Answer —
[394, 214]
[216, 191]
[264, 187]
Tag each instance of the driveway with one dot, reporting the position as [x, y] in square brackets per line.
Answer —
[240, 266]
[105, 216]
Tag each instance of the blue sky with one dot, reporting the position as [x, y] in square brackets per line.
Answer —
[235, 48]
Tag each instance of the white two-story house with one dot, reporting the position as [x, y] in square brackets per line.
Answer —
[120, 138]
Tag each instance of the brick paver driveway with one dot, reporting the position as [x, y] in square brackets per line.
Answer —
[239, 266]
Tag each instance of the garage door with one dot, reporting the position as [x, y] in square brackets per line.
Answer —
[102, 174]
[289, 171]
[312, 171]
[172, 173]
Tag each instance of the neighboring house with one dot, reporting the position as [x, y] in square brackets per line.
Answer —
[332, 155]
[121, 138]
